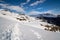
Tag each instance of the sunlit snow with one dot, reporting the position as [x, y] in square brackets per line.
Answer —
[29, 29]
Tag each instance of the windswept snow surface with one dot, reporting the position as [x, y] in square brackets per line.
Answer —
[12, 29]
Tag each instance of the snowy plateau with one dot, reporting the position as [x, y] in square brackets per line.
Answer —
[15, 26]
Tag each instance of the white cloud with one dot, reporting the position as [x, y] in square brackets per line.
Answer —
[49, 11]
[23, 4]
[1, 0]
[1, 9]
[27, 1]
[53, 11]
[39, 8]
[4, 5]
[37, 12]
[37, 2]
[34, 12]
[16, 8]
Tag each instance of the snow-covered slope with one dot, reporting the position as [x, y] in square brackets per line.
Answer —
[27, 20]
[23, 27]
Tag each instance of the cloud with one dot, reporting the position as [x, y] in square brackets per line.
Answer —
[55, 11]
[1, 1]
[15, 8]
[39, 8]
[27, 1]
[37, 2]
[49, 11]
[3, 5]
[34, 12]
[1, 9]
[37, 12]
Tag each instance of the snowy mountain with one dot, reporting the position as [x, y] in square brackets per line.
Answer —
[15, 26]
[49, 17]
[45, 15]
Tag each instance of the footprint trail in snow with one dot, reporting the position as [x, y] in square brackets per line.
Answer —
[16, 34]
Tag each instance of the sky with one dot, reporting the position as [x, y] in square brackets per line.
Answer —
[31, 6]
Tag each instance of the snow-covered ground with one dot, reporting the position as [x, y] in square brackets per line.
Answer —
[31, 29]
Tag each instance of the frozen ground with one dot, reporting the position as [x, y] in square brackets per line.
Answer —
[12, 29]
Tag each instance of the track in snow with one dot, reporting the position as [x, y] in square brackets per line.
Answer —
[12, 30]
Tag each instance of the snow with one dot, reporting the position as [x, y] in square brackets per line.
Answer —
[31, 19]
[15, 35]
[31, 29]
[37, 34]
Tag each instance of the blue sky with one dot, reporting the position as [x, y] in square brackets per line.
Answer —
[31, 6]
